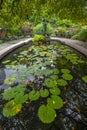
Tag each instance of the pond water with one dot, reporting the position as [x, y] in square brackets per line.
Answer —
[43, 88]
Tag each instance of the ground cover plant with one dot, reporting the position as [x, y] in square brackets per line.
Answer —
[43, 74]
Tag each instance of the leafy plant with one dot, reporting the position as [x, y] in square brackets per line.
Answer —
[38, 39]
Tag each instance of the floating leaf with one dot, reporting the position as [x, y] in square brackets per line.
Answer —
[21, 98]
[50, 83]
[55, 91]
[9, 80]
[55, 102]
[44, 93]
[34, 95]
[61, 82]
[13, 92]
[65, 70]
[54, 77]
[6, 62]
[67, 76]
[84, 78]
[11, 109]
[46, 114]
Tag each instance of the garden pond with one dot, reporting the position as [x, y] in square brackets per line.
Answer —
[43, 88]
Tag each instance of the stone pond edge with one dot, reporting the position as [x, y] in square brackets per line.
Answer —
[9, 49]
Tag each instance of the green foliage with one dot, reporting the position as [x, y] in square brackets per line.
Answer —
[38, 38]
[65, 70]
[50, 83]
[67, 76]
[11, 109]
[39, 27]
[44, 93]
[64, 22]
[82, 35]
[55, 91]
[84, 78]
[46, 114]
[61, 82]
[34, 95]
[55, 102]
[11, 93]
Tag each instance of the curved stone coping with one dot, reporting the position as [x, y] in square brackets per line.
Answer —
[71, 44]
[9, 49]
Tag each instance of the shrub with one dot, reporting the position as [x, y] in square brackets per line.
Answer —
[82, 35]
[38, 29]
[38, 39]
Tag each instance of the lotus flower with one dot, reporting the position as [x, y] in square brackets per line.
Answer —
[27, 81]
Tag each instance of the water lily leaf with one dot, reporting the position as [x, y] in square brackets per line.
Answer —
[6, 62]
[9, 80]
[55, 71]
[61, 82]
[67, 76]
[55, 102]
[65, 70]
[13, 92]
[84, 78]
[44, 93]
[50, 83]
[34, 95]
[55, 91]
[21, 98]
[11, 109]
[54, 77]
[46, 114]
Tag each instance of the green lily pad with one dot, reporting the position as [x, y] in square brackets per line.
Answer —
[21, 98]
[50, 83]
[34, 95]
[61, 82]
[84, 78]
[46, 114]
[65, 70]
[9, 80]
[55, 102]
[55, 91]
[67, 76]
[11, 109]
[54, 77]
[44, 93]
[13, 92]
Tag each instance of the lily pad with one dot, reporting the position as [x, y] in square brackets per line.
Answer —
[55, 102]
[67, 76]
[65, 70]
[11, 109]
[44, 93]
[46, 114]
[61, 82]
[84, 78]
[9, 80]
[50, 83]
[34, 95]
[13, 92]
[21, 98]
[55, 91]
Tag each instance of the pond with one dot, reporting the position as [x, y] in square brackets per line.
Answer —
[43, 88]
